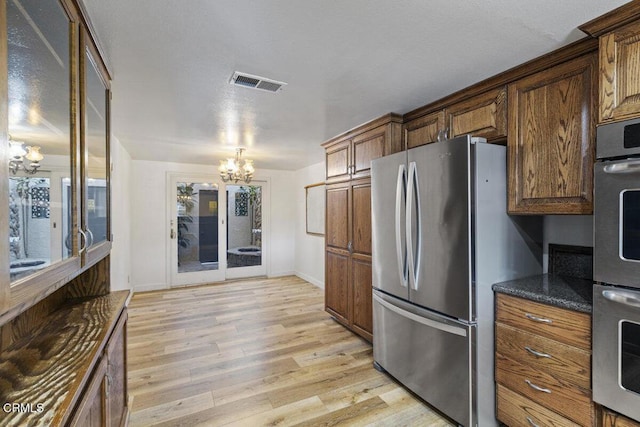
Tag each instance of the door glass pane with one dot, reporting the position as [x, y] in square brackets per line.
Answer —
[96, 146]
[39, 134]
[630, 363]
[197, 226]
[244, 225]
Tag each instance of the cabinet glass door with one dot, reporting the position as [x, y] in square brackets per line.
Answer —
[96, 190]
[41, 229]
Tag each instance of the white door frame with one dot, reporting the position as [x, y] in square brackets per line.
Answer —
[175, 279]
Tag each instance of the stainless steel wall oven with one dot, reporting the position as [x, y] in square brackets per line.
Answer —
[616, 296]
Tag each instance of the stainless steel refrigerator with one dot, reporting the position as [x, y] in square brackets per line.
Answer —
[441, 238]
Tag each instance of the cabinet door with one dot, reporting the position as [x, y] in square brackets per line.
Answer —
[551, 140]
[620, 73]
[337, 216]
[423, 130]
[338, 160]
[362, 311]
[366, 147]
[484, 115]
[361, 217]
[117, 374]
[336, 289]
[95, 148]
[38, 182]
[91, 411]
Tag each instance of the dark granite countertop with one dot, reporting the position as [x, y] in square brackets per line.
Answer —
[560, 291]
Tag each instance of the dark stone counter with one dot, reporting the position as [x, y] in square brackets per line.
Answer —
[560, 291]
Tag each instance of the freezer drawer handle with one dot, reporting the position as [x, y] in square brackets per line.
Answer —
[622, 297]
[537, 353]
[422, 320]
[538, 319]
[535, 387]
[531, 423]
[630, 166]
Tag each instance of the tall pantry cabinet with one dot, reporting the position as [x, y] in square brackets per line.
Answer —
[348, 219]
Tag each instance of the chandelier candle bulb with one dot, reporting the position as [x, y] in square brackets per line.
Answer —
[233, 169]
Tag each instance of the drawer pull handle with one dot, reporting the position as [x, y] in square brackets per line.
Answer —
[538, 319]
[537, 353]
[535, 387]
[531, 423]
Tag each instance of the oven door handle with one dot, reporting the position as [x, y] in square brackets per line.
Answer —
[622, 297]
[629, 166]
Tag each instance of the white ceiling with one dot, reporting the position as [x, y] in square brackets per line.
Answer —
[345, 62]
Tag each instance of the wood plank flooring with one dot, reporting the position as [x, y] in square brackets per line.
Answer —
[256, 353]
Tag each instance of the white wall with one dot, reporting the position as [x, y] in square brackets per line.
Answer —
[574, 230]
[120, 216]
[150, 222]
[309, 255]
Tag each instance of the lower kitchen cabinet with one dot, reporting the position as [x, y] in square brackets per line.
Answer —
[543, 364]
[348, 295]
[104, 402]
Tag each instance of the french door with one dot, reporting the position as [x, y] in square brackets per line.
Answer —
[245, 224]
[197, 218]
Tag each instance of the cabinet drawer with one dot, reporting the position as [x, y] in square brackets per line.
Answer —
[515, 410]
[559, 360]
[560, 396]
[566, 326]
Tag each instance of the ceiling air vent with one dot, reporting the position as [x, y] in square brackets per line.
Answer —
[255, 82]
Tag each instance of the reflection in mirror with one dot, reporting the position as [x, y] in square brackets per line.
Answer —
[39, 132]
[96, 143]
[244, 225]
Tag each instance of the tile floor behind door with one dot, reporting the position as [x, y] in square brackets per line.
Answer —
[256, 353]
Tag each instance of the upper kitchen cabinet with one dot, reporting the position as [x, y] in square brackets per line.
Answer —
[39, 117]
[94, 107]
[551, 139]
[484, 115]
[349, 155]
[620, 74]
[619, 37]
[423, 130]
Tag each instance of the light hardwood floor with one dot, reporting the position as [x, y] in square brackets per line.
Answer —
[256, 353]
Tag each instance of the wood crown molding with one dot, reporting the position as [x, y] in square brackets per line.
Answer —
[610, 21]
[386, 119]
[558, 56]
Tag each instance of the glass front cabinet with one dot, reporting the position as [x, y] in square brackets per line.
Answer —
[54, 122]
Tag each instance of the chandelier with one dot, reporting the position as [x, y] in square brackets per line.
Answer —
[234, 170]
[17, 155]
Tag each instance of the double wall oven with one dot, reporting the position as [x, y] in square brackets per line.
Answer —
[616, 295]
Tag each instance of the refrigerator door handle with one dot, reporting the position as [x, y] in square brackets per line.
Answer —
[451, 329]
[413, 259]
[400, 248]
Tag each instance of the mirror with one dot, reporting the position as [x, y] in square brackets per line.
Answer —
[96, 196]
[39, 109]
[315, 202]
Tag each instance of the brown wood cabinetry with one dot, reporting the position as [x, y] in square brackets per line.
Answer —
[423, 130]
[348, 295]
[612, 419]
[543, 364]
[484, 115]
[551, 140]
[348, 156]
[348, 255]
[620, 74]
